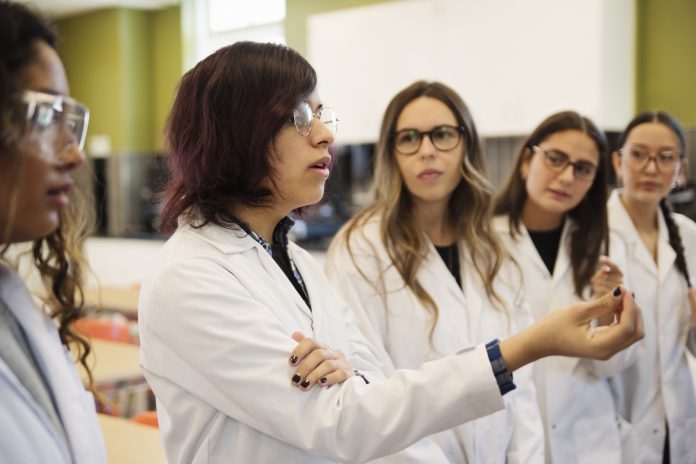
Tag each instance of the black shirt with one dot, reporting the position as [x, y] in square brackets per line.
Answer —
[546, 242]
[450, 256]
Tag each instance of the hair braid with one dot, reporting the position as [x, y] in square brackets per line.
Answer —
[675, 240]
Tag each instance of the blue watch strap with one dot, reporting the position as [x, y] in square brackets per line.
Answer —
[502, 375]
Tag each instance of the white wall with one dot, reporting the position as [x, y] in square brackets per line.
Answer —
[514, 62]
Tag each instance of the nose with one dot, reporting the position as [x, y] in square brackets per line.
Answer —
[321, 134]
[651, 165]
[427, 148]
[567, 175]
[71, 157]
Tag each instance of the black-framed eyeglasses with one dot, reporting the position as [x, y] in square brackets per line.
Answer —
[303, 116]
[558, 161]
[444, 138]
[639, 157]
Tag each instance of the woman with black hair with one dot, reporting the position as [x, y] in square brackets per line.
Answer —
[249, 137]
[656, 396]
[45, 413]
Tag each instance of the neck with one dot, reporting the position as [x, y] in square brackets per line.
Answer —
[643, 215]
[261, 220]
[539, 220]
[432, 219]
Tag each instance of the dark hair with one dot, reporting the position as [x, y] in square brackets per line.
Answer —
[59, 256]
[591, 230]
[20, 28]
[671, 123]
[227, 111]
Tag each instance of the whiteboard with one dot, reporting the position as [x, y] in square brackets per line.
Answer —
[513, 61]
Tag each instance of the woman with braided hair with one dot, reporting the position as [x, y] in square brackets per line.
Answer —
[656, 395]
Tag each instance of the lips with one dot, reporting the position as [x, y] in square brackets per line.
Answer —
[321, 166]
[559, 193]
[430, 174]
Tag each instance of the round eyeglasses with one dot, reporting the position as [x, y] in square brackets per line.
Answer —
[558, 161]
[45, 110]
[444, 138]
[638, 158]
[303, 116]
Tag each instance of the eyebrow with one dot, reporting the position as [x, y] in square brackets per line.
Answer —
[662, 148]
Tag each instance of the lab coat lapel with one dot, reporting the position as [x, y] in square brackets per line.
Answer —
[52, 359]
[562, 264]
[665, 253]
[621, 224]
[472, 294]
[282, 280]
[528, 249]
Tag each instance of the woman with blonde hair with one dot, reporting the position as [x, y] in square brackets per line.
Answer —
[424, 272]
[47, 416]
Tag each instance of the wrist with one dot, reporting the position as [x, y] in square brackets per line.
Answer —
[525, 347]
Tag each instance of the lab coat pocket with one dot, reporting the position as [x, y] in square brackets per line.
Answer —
[597, 440]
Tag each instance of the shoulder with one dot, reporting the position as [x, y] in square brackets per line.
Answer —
[501, 224]
[359, 237]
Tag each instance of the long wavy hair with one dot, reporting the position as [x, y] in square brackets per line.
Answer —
[468, 212]
[672, 124]
[590, 236]
[59, 257]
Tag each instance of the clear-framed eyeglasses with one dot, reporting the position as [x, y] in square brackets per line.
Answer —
[44, 111]
[444, 138]
[558, 161]
[638, 158]
[303, 116]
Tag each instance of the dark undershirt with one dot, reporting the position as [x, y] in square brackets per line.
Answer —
[547, 242]
[450, 256]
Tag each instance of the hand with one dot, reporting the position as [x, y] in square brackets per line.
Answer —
[692, 303]
[317, 364]
[567, 331]
[606, 278]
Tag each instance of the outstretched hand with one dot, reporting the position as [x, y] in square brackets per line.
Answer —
[569, 332]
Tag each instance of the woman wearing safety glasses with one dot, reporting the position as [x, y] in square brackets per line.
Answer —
[656, 396]
[552, 217]
[47, 416]
[218, 317]
[424, 272]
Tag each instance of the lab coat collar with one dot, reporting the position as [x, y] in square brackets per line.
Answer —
[43, 340]
[524, 241]
[622, 225]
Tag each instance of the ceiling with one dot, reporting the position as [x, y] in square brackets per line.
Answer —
[61, 8]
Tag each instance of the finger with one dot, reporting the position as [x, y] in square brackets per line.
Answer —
[309, 364]
[605, 305]
[298, 336]
[627, 330]
[302, 349]
[335, 377]
[323, 370]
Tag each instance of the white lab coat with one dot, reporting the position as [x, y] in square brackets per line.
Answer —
[398, 324]
[659, 388]
[574, 394]
[216, 324]
[27, 435]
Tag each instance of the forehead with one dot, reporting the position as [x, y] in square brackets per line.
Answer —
[575, 143]
[653, 134]
[424, 113]
[45, 72]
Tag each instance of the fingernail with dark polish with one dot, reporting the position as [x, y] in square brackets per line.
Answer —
[293, 359]
[634, 295]
[305, 383]
[617, 292]
[323, 380]
[296, 378]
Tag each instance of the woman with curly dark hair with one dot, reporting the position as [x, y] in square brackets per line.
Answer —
[47, 416]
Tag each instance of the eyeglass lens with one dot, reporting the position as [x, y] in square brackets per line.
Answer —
[444, 138]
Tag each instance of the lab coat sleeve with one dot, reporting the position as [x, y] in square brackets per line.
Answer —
[527, 442]
[219, 343]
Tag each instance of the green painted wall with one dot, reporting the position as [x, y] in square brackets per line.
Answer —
[124, 65]
[297, 11]
[167, 67]
[666, 58]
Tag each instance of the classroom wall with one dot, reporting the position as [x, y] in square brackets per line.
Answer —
[665, 64]
[124, 65]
